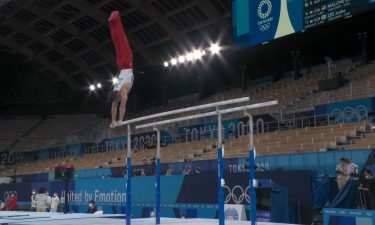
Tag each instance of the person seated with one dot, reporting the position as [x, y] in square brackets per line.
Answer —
[198, 171]
[169, 172]
[92, 207]
[186, 170]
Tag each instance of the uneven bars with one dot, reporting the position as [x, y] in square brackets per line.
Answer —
[225, 111]
[189, 109]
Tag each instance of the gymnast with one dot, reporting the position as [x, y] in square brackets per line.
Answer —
[124, 60]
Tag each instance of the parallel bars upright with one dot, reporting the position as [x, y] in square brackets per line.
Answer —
[221, 182]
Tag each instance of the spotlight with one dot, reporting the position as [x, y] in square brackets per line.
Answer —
[197, 54]
[215, 48]
[189, 56]
[99, 85]
[114, 80]
[92, 87]
[174, 61]
[203, 52]
[166, 64]
[181, 59]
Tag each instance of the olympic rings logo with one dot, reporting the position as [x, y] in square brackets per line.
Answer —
[348, 114]
[7, 195]
[267, 13]
[237, 194]
[264, 27]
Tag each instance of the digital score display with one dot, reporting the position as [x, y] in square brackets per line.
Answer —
[322, 11]
[259, 21]
[64, 172]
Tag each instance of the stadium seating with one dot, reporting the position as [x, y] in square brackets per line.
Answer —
[362, 84]
[309, 139]
[13, 129]
[53, 132]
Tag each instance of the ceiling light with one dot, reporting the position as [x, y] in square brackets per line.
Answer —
[215, 48]
[189, 56]
[181, 59]
[197, 54]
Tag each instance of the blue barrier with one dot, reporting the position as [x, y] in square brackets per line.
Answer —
[332, 216]
[322, 162]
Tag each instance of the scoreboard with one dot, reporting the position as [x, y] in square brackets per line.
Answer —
[323, 11]
[259, 21]
[64, 172]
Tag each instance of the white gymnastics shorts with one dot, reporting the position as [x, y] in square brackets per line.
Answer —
[126, 77]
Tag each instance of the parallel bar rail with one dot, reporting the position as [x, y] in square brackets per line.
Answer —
[189, 109]
[213, 113]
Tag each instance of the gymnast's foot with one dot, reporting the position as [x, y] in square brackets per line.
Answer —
[113, 125]
[113, 15]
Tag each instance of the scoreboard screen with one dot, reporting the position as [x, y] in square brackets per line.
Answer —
[259, 21]
[323, 11]
[64, 172]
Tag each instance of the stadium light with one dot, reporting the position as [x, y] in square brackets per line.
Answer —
[92, 87]
[189, 56]
[197, 54]
[215, 48]
[181, 59]
[99, 85]
[114, 80]
[173, 61]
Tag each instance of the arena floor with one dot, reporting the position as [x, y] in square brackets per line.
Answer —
[32, 218]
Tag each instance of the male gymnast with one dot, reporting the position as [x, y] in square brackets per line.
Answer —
[124, 61]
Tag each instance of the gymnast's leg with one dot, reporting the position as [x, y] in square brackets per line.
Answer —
[114, 113]
[124, 55]
[124, 60]
[124, 98]
[114, 98]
